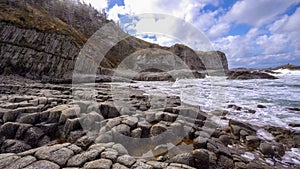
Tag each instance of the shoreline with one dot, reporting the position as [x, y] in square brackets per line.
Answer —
[45, 114]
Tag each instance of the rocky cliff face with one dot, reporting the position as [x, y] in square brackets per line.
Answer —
[36, 53]
[36, 45]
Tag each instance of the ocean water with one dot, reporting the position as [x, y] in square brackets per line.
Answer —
[214, 93]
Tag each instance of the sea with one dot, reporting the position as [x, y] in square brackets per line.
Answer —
[280, 97]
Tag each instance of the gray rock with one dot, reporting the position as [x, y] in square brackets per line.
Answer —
[49, 129]
[218, 147]
[55, 113]
[126, 160]
[80, 159]
[30, 118]
[72, 125]
[119, 166]
[252, 142]
[4, 155]
[14, 146]
[266, 149]
[113, 122]
[158, 165]
[179, 166]
[200, 142]
[184, 158]
[98, 164]
[279, 150]
[225, 139]
[201, 157]
[240, 165]
[141, 165]
[108, 110]
[22, 162]
[75, 148]
[56, 153]
[235, 130]
[43, 164]
[90, 121]
[9, 129]
[136, 133]
[18, 99]
[111, 155]
[158, 129]
[120, 149]
[261, 106]
[100, 145]
[145, 126]
[11, 116]
[122, 129]
[104, 138]
[85, 141]
[69, 113]
[225, 162]
[4, 162]
[131, 122]
[243, 134]
[33, 136]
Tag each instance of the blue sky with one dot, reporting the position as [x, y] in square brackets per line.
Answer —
[252, 33]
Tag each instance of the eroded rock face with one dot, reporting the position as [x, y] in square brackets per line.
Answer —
[34, 53]
[52, 56]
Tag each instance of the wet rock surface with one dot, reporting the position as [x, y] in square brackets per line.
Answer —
[44, 126]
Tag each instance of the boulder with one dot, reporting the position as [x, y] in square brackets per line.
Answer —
[266, 149]
[14, 146]
[120, 149]
[98, 164]
[119, 166]
[69, 113]
[57, 153]
[131, 122]
[43, 164]
[199, 142]
[184, 158]
[8, 160]
[225, 139]
[32, 118]
[126, 160]
[33, 136]
[80, 159]
[201, 157]
[22, 162]
[225, 162]
[108, 110]
[110, 154]
[158, 129]
[122, 129]
[72, 125]
[252, 142]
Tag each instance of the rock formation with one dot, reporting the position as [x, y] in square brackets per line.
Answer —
[46, 47]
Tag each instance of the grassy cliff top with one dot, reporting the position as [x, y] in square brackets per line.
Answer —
[32, 17]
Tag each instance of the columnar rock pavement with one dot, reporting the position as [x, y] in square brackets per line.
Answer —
[41, 127]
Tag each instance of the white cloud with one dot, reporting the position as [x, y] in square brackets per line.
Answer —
[273, 44]
[258, 12]
[271, 37]
[218, 29]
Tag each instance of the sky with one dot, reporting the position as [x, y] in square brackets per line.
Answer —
[252, 33]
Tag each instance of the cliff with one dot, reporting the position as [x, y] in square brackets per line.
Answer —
[38, 44]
